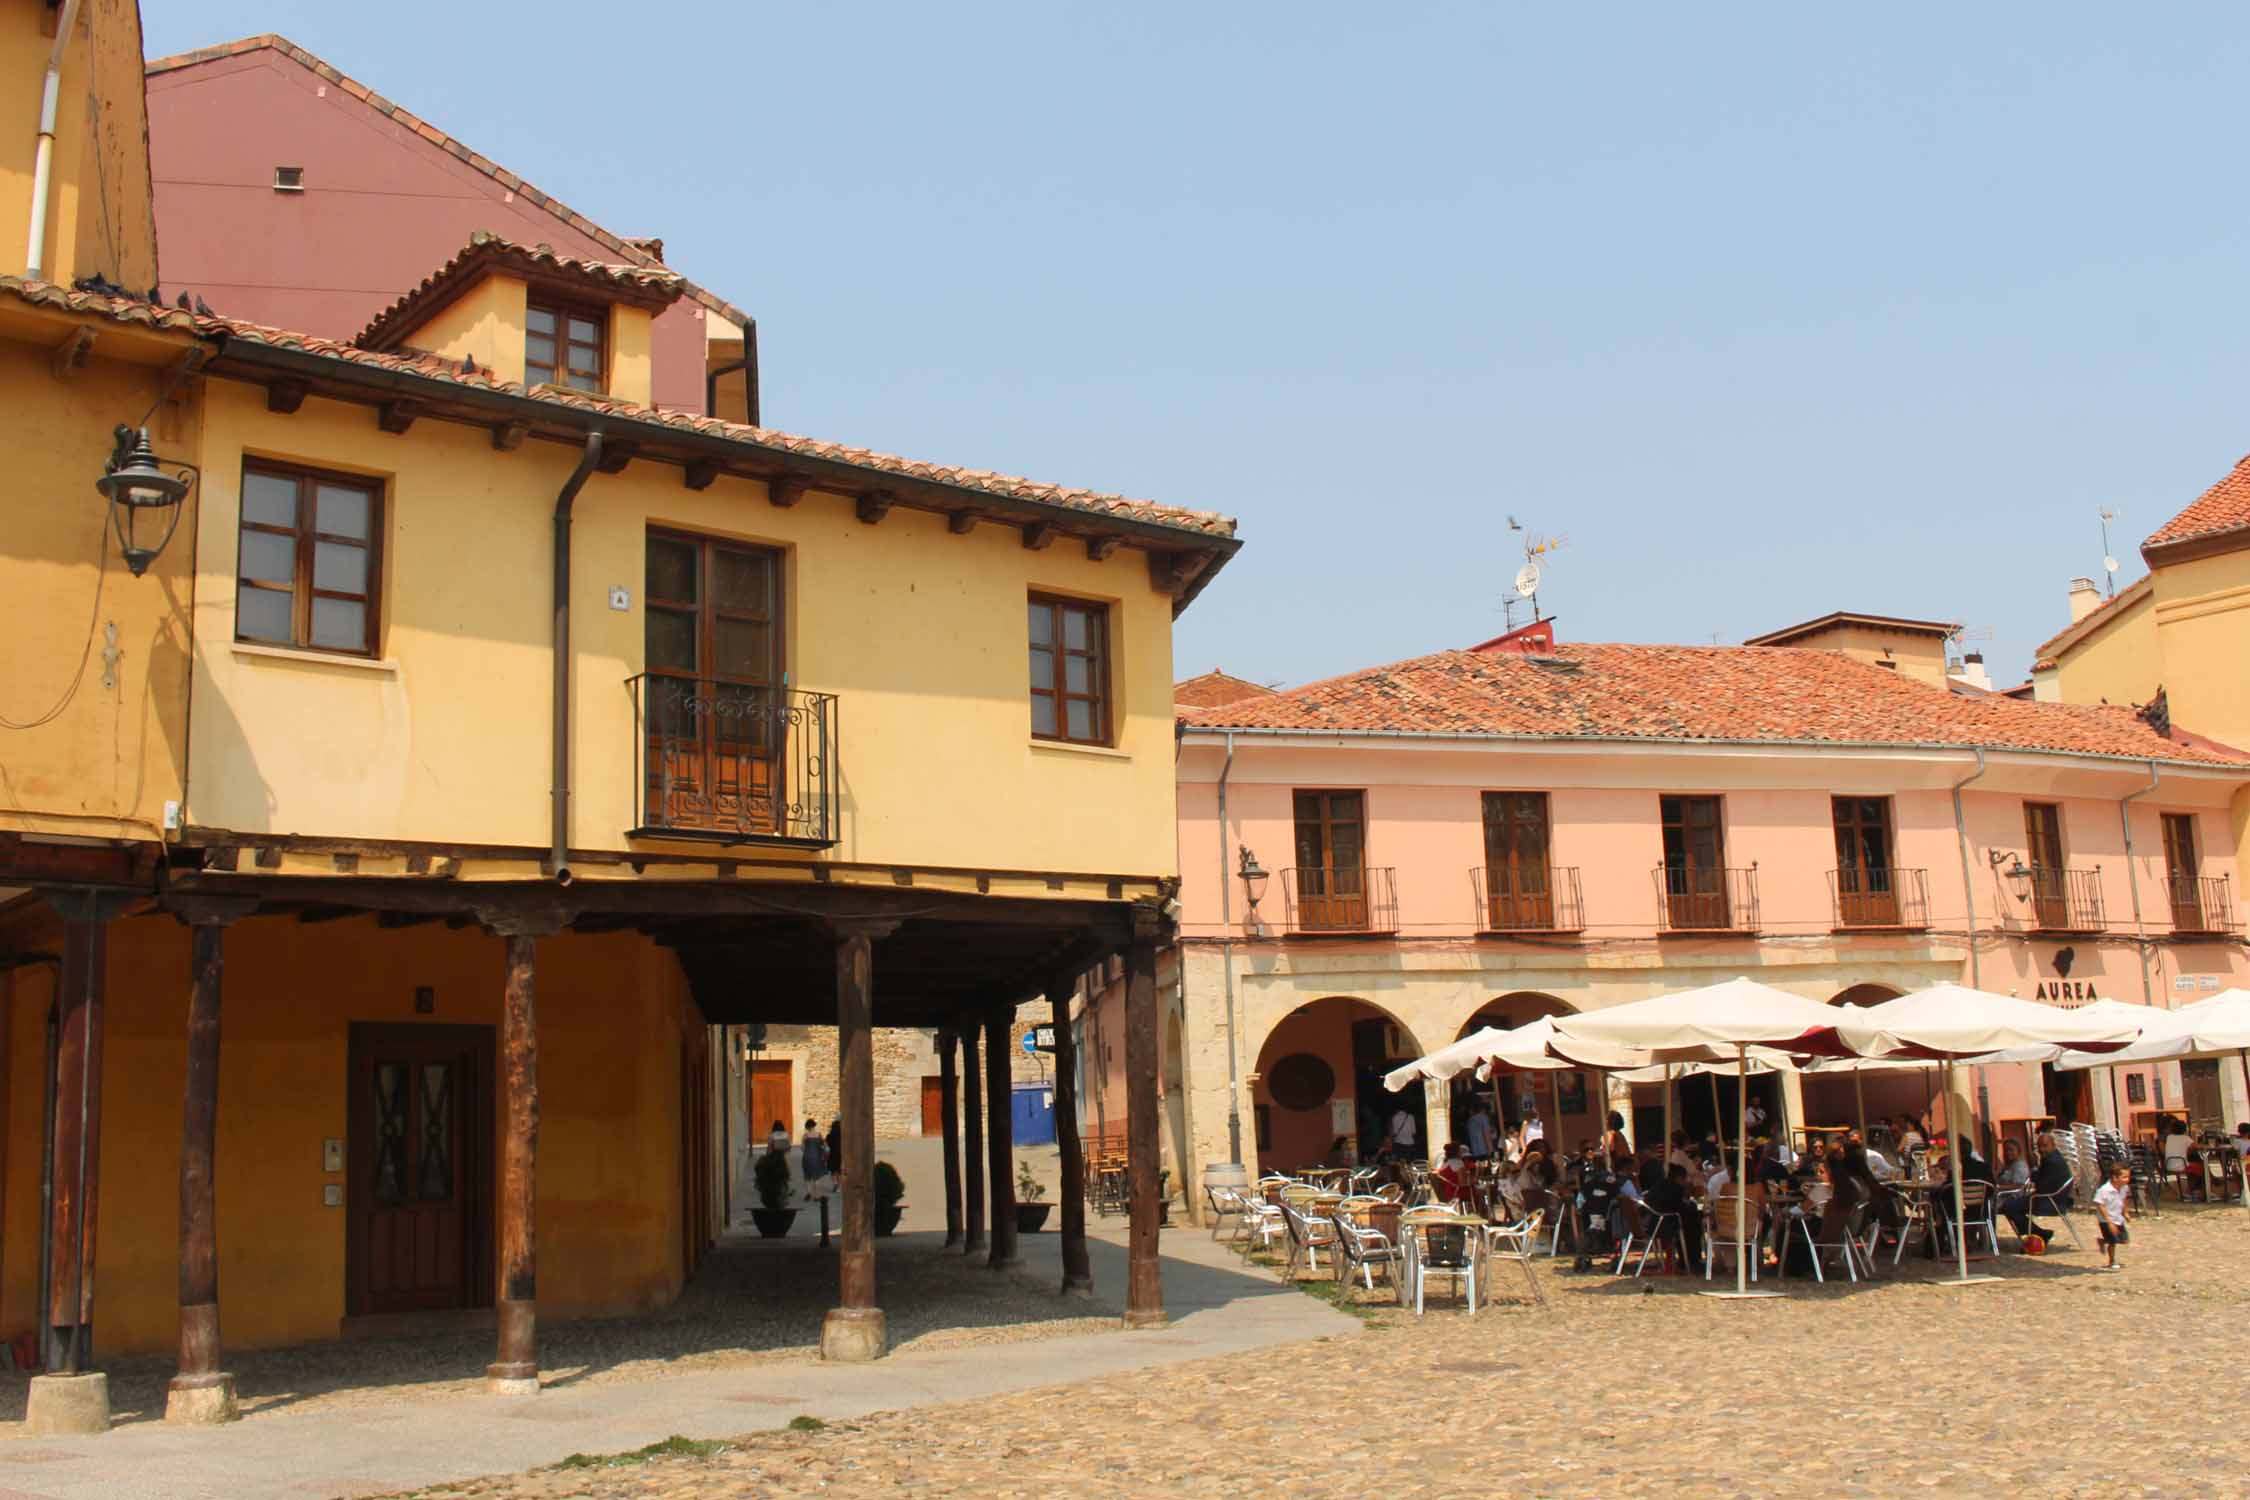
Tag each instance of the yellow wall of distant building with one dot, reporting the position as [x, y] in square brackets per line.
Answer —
[486, 323]
[2203, 621]
[100, 218]
[2118, 662]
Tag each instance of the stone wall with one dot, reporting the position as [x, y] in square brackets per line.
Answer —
[903, 1058]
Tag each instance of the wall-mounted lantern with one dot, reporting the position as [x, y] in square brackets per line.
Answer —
[1254, 878]
[144, 494]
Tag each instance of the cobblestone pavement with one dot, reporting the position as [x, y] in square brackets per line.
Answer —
[2059, 1380]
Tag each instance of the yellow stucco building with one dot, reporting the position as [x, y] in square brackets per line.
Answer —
[481, 742]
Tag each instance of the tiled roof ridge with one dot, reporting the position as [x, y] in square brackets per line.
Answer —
[127, 309]
[273, 41]
[1735, 695]
[2108, 612]
[484, 245]
[2224, 507]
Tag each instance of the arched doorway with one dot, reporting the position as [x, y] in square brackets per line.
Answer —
[1567, 1101]
[1841, 1098]
[1319, 1098]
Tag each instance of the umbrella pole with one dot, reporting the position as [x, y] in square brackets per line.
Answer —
[1741, 1163]
[2116, 1106]
[1960, 1211]
[1718, 1114]
[1670, 1126]
[1859, 1093]
[2244, 1055]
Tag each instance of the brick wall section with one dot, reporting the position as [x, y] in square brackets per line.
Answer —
[903, 1058]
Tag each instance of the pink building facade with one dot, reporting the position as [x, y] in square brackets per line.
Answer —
[1483, 837]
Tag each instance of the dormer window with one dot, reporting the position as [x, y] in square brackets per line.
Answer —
[563, 346]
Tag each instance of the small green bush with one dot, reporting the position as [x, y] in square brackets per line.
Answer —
[772, 1177]
[890, 1188]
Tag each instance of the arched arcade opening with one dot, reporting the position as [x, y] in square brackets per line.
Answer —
[1318, 1097]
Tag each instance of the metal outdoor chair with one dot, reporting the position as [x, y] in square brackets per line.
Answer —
[1226, 1203]
[1845, 1244]
[2148, 1181]
[1442, 1243]
[1719, 1227]
[1648, 1233]
[1514, 1242]
[1360, 1252]
[1309, 1232]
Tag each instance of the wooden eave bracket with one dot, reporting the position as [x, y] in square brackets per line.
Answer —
[286, 396]
[72, 352]
[701, 474]
[616, 454]
[962, 522]
[875, 505]
[1173, 572]
[784, 491]
[507, 437]
[397, 416]
[1038, 536]
[1100, 548]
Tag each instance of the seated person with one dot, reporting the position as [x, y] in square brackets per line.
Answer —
[2242, 1139]
[1680, 1156]
[1671, 1197]
[1765, 1167]
[2049, 1189]
[2014, 1170]
[2179, 1156]
[1451, 1179]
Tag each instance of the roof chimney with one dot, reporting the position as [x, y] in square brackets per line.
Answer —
[1535, 639]
[2084, 599]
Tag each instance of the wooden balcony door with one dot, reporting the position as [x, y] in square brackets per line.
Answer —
[1695, 863]
[2050, 890]
[1866, 889]
[1519, 888]
[418, 1203]
[714, 657]
[2180, 867]
[1331, 861]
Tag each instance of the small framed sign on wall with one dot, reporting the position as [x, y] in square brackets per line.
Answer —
[2136, 1088]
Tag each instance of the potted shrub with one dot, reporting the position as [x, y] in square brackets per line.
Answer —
[890, 1191]
[773, 1215]
[1031, 1213]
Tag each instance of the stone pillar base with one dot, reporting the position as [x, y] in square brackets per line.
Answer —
[1078, 1286]
[853, 1335]
[512, 1379]
[1134, 1319]
[201, 1400]
[62, 1404]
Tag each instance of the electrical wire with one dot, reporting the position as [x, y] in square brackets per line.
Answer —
[86, 652]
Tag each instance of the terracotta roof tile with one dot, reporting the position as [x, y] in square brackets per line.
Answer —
[437, 367]
[2109, 612]
[1215, 688]
[2223, 507]
[651, 286]
[429, 132]
[1719, 694]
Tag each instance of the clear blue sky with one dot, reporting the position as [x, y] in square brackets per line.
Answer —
[1770, 310]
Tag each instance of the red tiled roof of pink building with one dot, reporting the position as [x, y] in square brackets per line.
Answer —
[438, 367]
[1763, 694]
[2223, 507]
[1214, 688]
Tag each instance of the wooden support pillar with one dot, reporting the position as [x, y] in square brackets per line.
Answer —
[515, 1367]
[1078, 1271]
[68, 1326]
[949, 1117]
[1000, 1100]
[202, 1392]
[854, 1329]
[972, 1141]
[1144, 1286]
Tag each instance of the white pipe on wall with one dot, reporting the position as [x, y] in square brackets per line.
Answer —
[43, 157]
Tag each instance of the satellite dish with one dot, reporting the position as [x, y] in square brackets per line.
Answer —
[2110, 563]
[1527, 580]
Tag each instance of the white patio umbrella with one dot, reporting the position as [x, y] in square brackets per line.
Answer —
[2215, 1027]
[1701, 1025]
[1524, 1047]
[1950, 1023]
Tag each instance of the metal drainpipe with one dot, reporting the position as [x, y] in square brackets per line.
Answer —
[2133, 878]
[559, 850]
[1226, 961]
[43, 154]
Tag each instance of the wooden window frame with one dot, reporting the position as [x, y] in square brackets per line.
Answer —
[562, 311]
[306, 539]
[1867, 895]
[1528, 904]
[1057, 686]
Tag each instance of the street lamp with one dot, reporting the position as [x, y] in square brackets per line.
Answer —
[143, 493]
[1254, 880]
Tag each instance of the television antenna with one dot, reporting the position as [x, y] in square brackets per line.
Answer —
[1529, 576]
[2109, 558]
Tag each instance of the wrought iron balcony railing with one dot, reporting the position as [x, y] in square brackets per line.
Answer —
[733, 762]
[1697, 898]
[1333, 900]
[1529, 898]
[2201, 903]
[2066, 900]
[1880, 897]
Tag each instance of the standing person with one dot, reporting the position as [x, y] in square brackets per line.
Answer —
[835, 1146]
[1401, 1134]
[2109, 1212]
[1755, 1118]
[1480, 1134]
[818, 1184]
[1616, 1144]
[777, 1139]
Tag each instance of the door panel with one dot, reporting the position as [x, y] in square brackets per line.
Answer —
[419, 1195]
[714, 658]
[770, 1096]
[933, 1104]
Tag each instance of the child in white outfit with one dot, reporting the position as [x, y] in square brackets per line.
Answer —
[2109, 1210]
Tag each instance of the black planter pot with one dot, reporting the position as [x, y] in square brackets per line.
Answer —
[886, 1219]
[1031, 1217]
[773, 1223]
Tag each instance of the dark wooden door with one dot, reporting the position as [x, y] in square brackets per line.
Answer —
[419, 1197]
[933, 1105]
[1695, 883]
[1866, 887]
[1331, 861]
[769, 1098]
[2050, 891]
[1518, 887]
[715, 714]
[2199, 1082]
[2180, 869]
